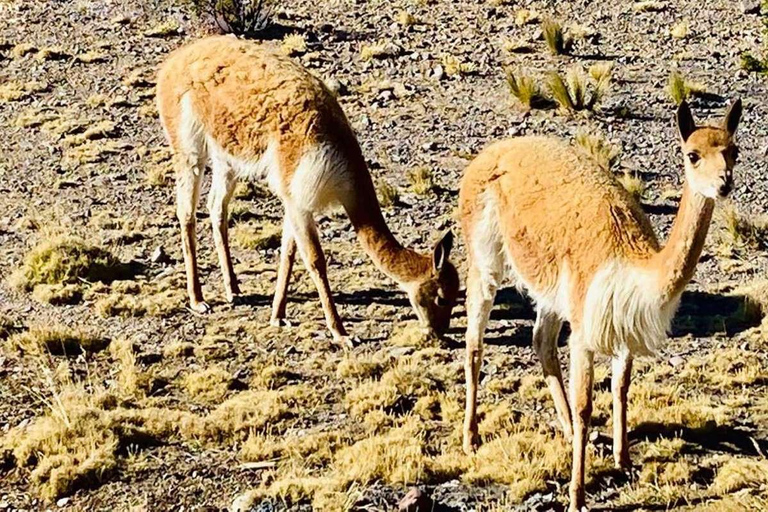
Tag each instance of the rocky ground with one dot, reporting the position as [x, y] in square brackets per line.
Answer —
[182, 412]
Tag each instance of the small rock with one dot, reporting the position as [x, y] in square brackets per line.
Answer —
[750, 6]
[438, 72]
[62, 502]
[676, 361]
[243, 503]
[158, 255]
[416, 501]
[594, 435]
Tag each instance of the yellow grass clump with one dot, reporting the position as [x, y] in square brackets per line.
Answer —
[15, 91]
[294, 44]
[741, 473]
[604, 153]
[421, 179]
[257, 237]
[58, 341]
[209, 385]
[67, 259]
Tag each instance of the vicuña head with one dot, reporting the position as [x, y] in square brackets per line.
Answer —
[585, 251]
[252, 113]
[709, 152]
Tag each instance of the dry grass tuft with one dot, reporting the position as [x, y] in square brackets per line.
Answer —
[396, 457]
[604, 153]
[273, 376]
[396, 392]
[95, 131]
[680, 30]
[93, 152]
[52, 53]
[524, 455]
[92, 57]
[210, 385]
[421, 179]
[23, 49]
[680, 89]
[557, 42]
[379, 50]
[15, 91]
[633, 184]
[35, 117]
[251, 411]
[294, 44]
[258, 237]
[526, 17]
[357, 368]
[58, 294]
[454, 66]
[164, 29]
[524, 88]
[388, 194]
[741, 473]
[736, 234]
[67, 260]
[580, 91]
[57, 341]
[413, 335]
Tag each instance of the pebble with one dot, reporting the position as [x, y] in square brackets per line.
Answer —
[676, 361]
[750, 6]
[158, 255]
[416, 500]
[62, 502]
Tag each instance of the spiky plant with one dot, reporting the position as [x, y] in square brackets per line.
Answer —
[604, 153]
[579, 90]
[557, 41]
[523, 87]
[677, 88]
[633, 184]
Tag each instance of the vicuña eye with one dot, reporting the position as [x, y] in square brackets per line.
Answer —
[694, 157]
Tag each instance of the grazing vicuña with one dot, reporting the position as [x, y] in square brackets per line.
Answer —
[255, 114]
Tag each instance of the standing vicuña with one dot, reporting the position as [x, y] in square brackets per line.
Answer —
[585, 252]
[255, 114]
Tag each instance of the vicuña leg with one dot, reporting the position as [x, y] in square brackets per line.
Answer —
[620, 379]
[308, 243]
[222, 187]
[480, 297]
[287, 257]
[545, 334]
[581, 397]
[189, 175]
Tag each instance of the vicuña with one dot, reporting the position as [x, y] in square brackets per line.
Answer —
[548, 216]
[254, 114]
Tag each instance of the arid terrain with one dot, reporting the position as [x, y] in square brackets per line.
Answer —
[114, 396]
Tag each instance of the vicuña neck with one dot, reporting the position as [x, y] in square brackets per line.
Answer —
[400, 263]
[676, 262]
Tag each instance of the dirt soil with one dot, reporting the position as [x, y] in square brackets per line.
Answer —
[82, 154]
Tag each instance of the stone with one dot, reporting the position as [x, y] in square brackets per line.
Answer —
[750, 6]
[159, 255]
[416, 500]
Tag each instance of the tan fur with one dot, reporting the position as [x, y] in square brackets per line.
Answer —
[254, 113]
[581, 246]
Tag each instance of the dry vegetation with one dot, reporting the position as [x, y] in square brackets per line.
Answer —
[108, 385]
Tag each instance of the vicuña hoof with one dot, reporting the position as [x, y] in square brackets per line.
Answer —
[279, 322]
[201, 308]
[471, 442]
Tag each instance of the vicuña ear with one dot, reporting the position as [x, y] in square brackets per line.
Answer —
[442, 250]
[732, 117]
[685, 123]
